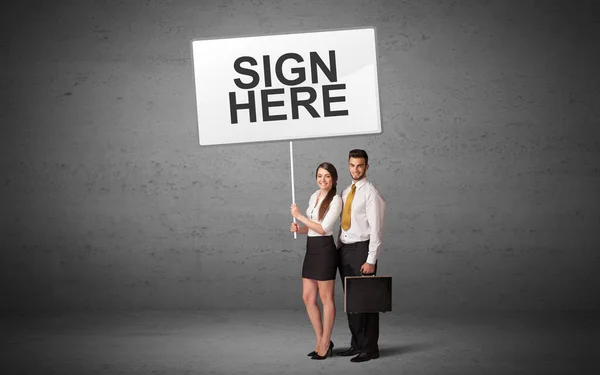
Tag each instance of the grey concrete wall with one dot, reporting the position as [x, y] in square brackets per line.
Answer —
[488, 158]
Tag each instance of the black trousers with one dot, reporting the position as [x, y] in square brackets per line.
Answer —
[364, 327]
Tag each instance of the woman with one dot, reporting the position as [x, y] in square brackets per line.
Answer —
[321, 259]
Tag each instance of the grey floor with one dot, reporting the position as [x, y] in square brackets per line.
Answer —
[275, 342]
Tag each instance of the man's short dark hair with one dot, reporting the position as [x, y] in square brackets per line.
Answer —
[356, 153]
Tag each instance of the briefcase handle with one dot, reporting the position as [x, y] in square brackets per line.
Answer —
[367, 274]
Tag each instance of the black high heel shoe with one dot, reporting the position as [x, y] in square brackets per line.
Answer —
[312, 353]
[329, 352]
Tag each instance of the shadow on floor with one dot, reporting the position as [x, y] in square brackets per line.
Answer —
[391, 351]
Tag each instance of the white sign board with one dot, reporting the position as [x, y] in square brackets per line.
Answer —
[284, 87]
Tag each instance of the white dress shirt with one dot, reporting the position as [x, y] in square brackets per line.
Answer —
[328, 222]
[366, 218]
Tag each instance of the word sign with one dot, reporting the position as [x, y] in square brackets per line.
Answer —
[284, 87]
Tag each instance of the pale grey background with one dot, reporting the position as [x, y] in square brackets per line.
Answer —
[488, 158]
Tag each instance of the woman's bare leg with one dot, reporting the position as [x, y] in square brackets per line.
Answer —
[309, 295]
[326, 292]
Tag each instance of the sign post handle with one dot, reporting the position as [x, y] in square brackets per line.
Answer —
[292, 175]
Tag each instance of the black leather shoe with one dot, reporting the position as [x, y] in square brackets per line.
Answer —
[329, 352]
[348, 352]
[364, 357]
[313, 353]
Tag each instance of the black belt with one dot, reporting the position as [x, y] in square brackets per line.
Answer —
[354, 244]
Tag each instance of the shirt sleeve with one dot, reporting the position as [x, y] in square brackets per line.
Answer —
[375, 213]
[338, 239]
[335, 208]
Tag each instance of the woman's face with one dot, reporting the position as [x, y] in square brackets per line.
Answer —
[324, 179]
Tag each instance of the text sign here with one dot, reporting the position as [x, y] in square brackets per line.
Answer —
[283, 87]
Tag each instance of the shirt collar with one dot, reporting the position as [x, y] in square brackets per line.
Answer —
[360, 183]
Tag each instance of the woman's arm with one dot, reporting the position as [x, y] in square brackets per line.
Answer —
[295, 227]
[333, 214]
[304, 220]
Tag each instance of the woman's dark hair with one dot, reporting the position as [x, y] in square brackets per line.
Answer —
[356, 153]
[334, 177]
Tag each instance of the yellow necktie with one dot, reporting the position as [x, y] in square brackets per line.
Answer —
[348, 208]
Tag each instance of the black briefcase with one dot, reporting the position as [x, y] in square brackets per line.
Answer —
[367, 294]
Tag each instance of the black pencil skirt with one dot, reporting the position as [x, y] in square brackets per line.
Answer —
[321, 259]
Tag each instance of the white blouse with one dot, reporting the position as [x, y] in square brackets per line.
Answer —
[333, 213]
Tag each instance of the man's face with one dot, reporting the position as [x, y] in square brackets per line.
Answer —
[358, 168]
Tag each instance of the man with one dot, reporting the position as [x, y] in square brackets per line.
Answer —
[359, 244]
